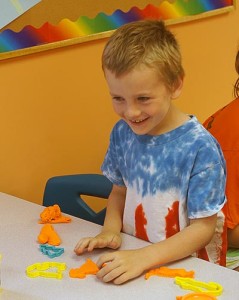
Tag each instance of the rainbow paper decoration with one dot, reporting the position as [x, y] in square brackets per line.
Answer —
[84, 26]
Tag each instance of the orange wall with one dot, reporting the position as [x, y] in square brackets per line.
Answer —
[56, 114]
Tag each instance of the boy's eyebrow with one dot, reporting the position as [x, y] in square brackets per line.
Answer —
[140, 94]
[116, 96]
[143, 94]
[113, 94]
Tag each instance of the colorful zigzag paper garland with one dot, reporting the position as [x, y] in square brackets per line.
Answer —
[30, 36]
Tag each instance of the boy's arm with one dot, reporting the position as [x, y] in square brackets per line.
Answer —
[124, 265]
[186, 242]
[110, 235]
[115, 208]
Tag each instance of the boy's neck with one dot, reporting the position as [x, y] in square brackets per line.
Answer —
[174, 119]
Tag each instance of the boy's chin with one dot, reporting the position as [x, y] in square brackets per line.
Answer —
[138, 131]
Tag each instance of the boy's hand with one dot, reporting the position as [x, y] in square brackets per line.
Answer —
[102, 240]
[121, 266]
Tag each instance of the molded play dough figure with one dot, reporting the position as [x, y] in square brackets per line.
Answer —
[49, 235]
[44, 269]
[196, 296]
[167, 272]
[88, 268]
[52, 214]
[210, 288]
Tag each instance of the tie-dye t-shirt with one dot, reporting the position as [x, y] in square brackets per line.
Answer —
[170, 178]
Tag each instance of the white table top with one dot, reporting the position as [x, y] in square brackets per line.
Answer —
[19, 229]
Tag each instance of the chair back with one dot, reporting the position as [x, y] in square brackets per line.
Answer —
[66, 191]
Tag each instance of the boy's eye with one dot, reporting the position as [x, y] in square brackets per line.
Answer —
[143, 99]
[118, 99]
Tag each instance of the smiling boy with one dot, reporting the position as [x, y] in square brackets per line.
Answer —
[168, 172]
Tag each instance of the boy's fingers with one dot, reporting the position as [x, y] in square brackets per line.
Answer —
[82, 245]
[104, 260]
[93, 244]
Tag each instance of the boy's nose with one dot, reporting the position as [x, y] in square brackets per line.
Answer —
[132, 111]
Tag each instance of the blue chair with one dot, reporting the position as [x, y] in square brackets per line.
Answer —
[66, 191]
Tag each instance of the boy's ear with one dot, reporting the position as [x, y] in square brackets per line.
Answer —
[177, 89]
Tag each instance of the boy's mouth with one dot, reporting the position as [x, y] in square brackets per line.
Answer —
[138, 121]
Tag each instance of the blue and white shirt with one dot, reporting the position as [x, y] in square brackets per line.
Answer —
[170, 179]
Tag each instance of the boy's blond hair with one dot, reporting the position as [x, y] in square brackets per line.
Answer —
[148, 43]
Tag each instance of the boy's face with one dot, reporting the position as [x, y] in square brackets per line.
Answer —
[142, 100]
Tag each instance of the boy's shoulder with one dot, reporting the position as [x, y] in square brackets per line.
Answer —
[204, 137]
